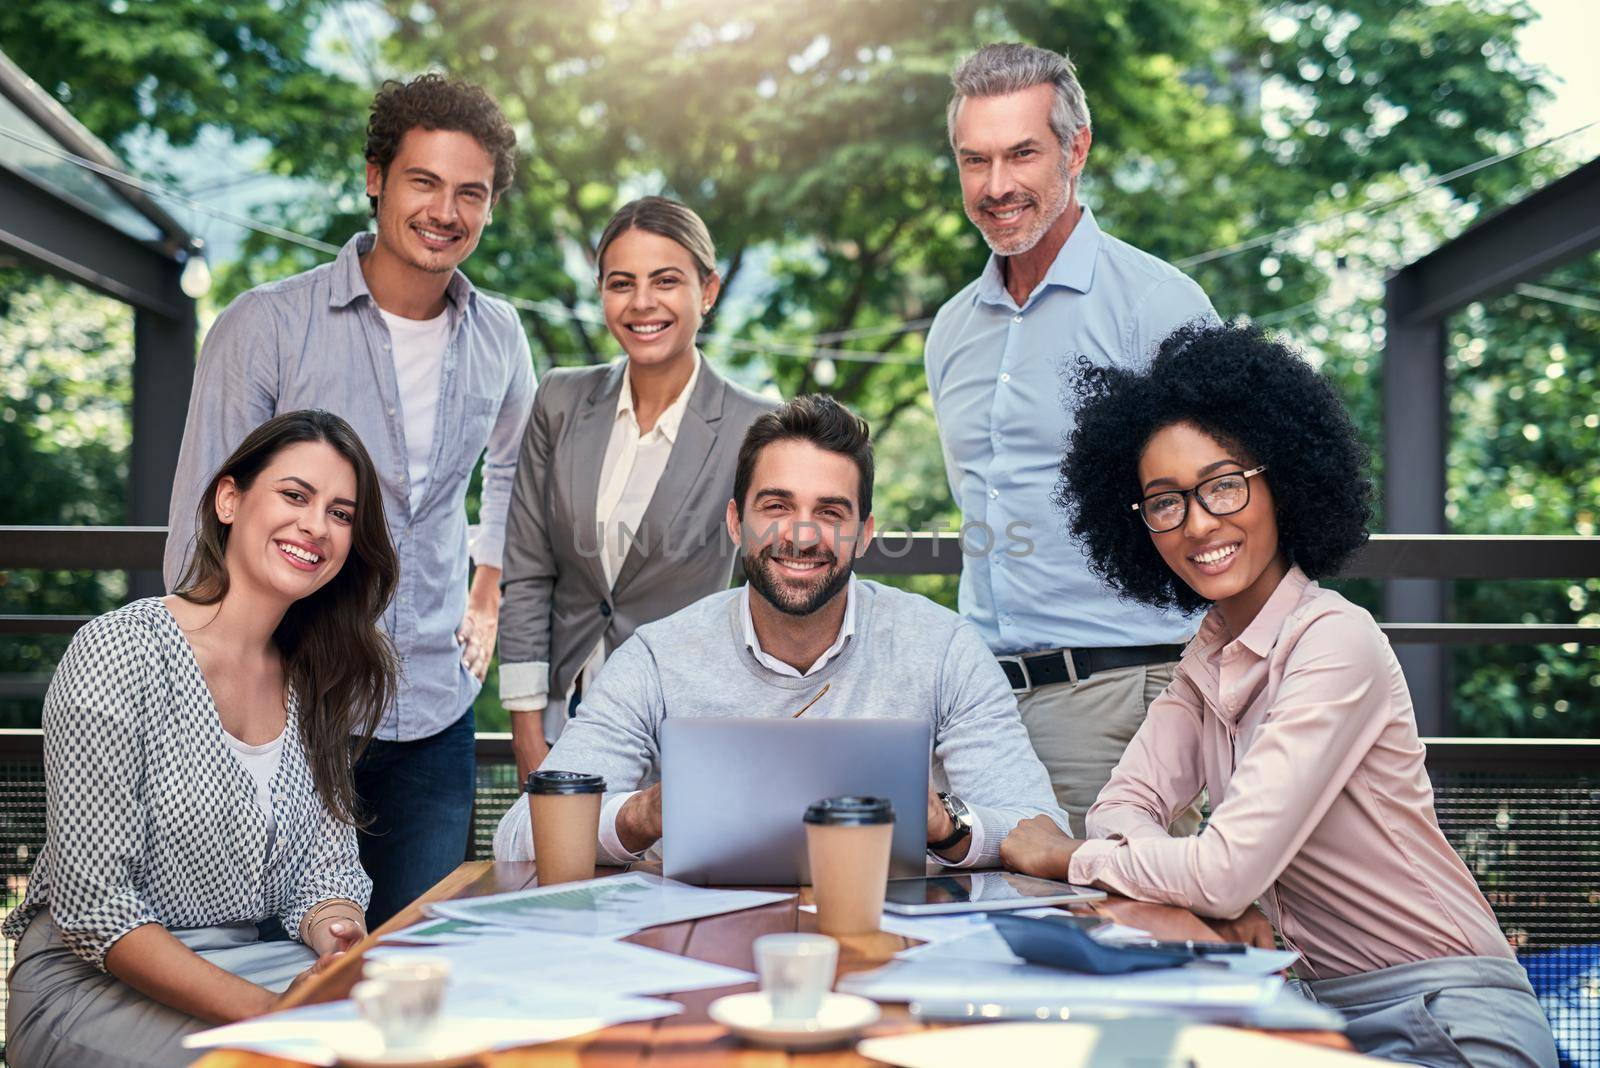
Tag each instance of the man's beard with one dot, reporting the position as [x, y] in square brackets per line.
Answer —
[757, 571]
[1016, 244]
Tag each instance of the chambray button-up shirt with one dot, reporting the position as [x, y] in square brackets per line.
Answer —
[997, 372]
[317, 340]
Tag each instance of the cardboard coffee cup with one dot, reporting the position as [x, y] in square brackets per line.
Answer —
[848, 840]
[564, 808]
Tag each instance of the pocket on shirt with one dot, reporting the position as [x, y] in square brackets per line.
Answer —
[477, 421]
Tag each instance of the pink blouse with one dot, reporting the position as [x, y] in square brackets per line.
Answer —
[1303, 734]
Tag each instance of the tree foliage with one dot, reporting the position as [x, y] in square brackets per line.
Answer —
[810, 134]
[65, 387]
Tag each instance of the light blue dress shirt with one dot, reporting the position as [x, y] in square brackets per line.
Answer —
[998, 374]
[317, 340]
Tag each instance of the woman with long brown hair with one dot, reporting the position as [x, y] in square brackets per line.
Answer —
[197, 767]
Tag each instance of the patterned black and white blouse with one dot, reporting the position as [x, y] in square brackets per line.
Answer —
[150, 818]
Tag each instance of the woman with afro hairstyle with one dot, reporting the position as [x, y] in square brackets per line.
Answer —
[1227, 475]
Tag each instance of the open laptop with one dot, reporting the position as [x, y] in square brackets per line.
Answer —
[734, 792]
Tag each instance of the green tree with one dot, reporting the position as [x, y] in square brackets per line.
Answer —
[174, 67]
[811, 136]
[1525, 372]
[65, 386]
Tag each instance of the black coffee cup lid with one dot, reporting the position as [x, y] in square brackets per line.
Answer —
[851, 812]
[563, 782]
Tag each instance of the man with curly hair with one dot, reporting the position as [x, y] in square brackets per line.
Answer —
[1084, 666]
[429, 371]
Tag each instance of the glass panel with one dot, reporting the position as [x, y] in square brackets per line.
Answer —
[84, 188]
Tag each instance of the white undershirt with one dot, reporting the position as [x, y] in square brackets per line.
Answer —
[261, 761]
[418, 351]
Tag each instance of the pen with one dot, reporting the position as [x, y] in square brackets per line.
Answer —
[1190, 946]
[813, 701]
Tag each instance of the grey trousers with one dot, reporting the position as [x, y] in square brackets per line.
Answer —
[1454, 1012]
[1079, 730]
[65, 1012]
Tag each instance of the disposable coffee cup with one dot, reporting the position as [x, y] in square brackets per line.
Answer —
[848, 840]
[564, 808]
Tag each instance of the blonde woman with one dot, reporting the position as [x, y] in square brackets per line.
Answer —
[625, 473]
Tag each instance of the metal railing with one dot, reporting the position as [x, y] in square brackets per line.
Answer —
[1524, 815]
[1385, 556]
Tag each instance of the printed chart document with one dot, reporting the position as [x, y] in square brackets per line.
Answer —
[475, 1016]
[608, 907]
[446, 933]
[596, 968]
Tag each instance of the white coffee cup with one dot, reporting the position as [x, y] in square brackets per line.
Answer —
[402, 998]
[796, 973]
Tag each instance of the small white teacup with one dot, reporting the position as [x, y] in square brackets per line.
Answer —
[796, 973]
[402, 999]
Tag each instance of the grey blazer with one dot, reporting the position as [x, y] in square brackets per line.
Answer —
[556, 604]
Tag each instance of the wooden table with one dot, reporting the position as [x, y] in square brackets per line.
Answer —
[691, 1039]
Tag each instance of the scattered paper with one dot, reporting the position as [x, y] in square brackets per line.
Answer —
[950, 980]
[1115, 933]
[1086, 1045]
[583, 967]
[607, 907]
[446, 933]
[1257, 961]
[982, 943]
[474, 1018]
[943, 928]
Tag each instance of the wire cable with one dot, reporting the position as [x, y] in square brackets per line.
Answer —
[808, 348]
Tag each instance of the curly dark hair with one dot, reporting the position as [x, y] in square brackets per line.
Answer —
[1250, 392]
[435, 102]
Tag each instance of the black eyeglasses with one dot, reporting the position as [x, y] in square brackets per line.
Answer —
[1220, 495]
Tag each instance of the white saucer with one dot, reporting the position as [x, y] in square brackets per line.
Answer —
[442, 1051]
[842, 1017]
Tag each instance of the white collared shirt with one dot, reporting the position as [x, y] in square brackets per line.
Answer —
[629, 474]
[847, 630]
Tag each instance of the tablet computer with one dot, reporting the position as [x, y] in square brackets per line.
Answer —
[983, 891]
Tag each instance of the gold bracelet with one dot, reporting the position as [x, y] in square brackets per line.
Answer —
[323, 911]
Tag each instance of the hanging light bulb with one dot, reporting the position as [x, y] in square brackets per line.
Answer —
[196, 278]
[825, 373]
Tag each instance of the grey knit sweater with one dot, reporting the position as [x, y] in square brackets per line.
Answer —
[909, 658]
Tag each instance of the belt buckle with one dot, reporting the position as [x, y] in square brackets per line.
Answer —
[1022, 666]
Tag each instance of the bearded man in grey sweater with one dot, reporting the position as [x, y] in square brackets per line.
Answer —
[801, 514]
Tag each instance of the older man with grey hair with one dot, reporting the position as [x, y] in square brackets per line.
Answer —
[1084, 665]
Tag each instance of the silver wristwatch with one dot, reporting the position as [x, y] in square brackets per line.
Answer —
[960, 815]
